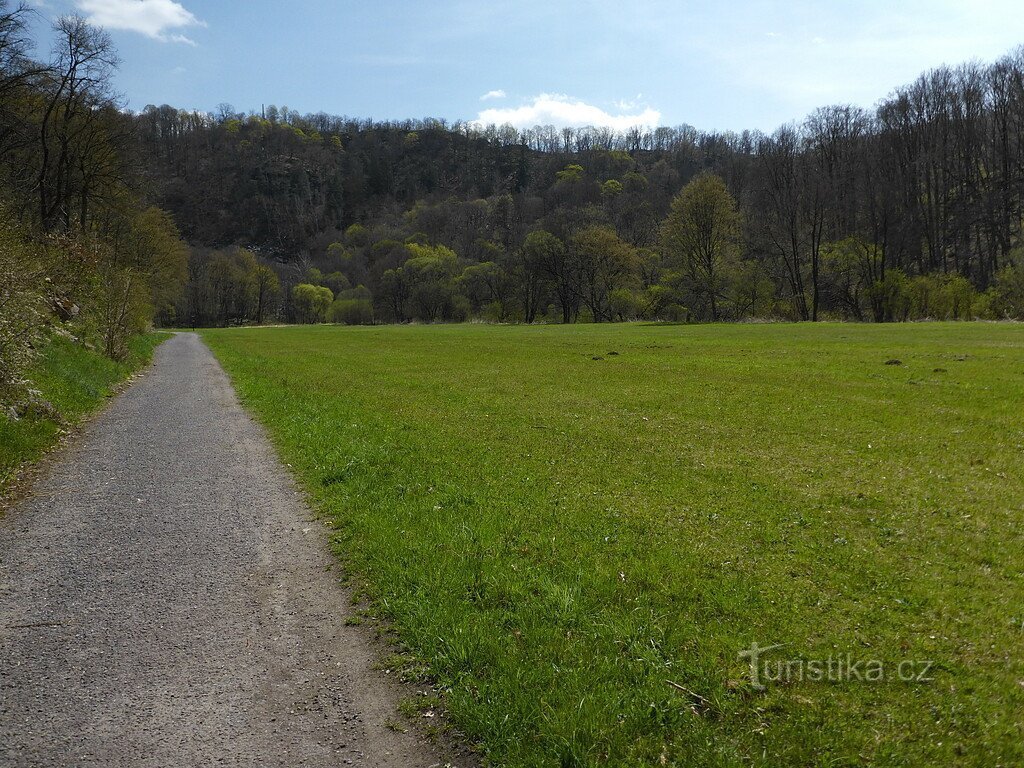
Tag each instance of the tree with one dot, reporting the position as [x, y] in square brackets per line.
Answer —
[430, 276]
[17, 71]
[605, 264]
[268, 288]
[311, 302]
[527, 276]
[156, 250]
[353, 307]
[488, 285]
[76, 88]
[781, 210]
[701, 235]
[1006, 297]
[544, 253]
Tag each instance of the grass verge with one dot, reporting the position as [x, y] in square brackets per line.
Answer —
[74, 380]
[579, 530]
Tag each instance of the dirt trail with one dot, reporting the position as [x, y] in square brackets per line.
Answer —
[166, 599]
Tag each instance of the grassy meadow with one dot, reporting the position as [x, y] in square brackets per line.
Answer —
[74, 380]
[576, 530]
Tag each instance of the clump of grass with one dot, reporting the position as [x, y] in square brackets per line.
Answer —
[73, 380]
[579, 552]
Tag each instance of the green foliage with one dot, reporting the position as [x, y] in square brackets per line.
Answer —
[819, 225]
[418, 238]
[560, 557]
[353, 307]
[357, 236]
[123, 308]
[571, 173]
[429, 279]
[229, 287]
[603, 263]
[336, 281]
[1006, 297]
[68, 380]
[23, 307]
[701, 238]
[142, 268]
[267, 289]
[890, 297]
[488, 285]
[87, 249]
[352, 311]
[543, 250]
[311, 302]
[625, 304]
[850, 267]
[941, 297]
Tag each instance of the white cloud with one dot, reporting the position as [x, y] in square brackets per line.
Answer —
[630, 105]
[563, 111]
[498, 94]
[152, 18]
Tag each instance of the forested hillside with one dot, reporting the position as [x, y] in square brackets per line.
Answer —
[909, 210]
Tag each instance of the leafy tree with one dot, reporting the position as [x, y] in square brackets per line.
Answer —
[311, 302]
[1006, 297]
[488, 285]
[545, 253]
[430, 274]
[701, 235]
[605, 264]
[353, 307]
[394, 294]
[268, 288]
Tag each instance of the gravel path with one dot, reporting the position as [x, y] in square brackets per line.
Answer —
[167, 600]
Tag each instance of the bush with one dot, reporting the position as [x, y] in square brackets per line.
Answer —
[23, 292]
[123, 309]
[312, 302]
[890, 297]
[352, 312]
[624, 304]
[1005, 298]
[941, 297]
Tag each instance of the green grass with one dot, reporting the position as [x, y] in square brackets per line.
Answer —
[75, 381]
[572, 546]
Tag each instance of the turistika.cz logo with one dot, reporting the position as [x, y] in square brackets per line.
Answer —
[840, 668]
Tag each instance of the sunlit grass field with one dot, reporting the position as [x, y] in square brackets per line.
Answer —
[575, 531]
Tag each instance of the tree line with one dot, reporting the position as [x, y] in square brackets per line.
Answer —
[910, 210]
[82, 245]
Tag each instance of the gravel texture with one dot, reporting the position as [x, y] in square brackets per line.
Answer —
[166, 599]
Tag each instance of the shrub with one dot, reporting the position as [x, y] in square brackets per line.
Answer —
[624, 304]
[23, 292]
[1006, 297]
[890, 298]
[311, 302]
[941, 297]
[352, 312]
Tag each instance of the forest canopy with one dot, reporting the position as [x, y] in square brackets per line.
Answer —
[910, 210]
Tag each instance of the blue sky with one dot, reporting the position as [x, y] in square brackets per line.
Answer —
[744, 64]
